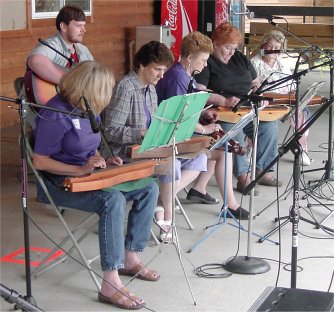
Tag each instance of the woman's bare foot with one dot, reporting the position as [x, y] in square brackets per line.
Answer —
[114, 292]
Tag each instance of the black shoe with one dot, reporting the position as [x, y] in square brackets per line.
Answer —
[239, 213]
[198, 197]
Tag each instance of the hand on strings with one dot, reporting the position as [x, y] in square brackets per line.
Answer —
[211, 128]
[93, 163]
[265, 103]
[208, 117]
[114, 161]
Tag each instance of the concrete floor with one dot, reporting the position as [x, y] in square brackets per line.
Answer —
[68, 287]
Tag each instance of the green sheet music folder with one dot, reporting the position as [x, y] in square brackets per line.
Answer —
[176, 116]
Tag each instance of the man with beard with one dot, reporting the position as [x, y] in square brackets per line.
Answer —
[49, 65]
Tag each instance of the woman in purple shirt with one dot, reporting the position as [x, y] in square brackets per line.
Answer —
[65, 145]
[195, 51]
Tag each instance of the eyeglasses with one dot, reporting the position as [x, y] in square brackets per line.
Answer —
[229, 48]
[270, 46]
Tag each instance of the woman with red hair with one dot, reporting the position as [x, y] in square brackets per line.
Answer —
[231, 76]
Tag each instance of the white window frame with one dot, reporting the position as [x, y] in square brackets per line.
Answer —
[42, 15]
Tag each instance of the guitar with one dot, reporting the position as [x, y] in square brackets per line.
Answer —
[37, 90]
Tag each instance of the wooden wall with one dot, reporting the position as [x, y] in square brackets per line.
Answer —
[109, 32]
[295, 3]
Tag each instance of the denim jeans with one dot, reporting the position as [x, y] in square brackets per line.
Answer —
[266, 146]
[111, 207]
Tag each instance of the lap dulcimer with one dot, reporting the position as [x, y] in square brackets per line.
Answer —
[111, 176]
[156, 161]
[290, 99]
[269, 113]
[277, 109]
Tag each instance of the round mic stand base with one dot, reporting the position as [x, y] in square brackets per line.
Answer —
[247, 265]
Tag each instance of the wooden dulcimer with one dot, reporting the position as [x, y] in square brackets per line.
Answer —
[269, 113]
[190, 147]
[187, 149]
[290, 99]
[111, 176]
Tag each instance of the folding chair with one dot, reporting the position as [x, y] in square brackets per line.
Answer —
[179, 205]
[70, 234]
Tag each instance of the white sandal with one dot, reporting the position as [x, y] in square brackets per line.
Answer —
[167, 236]
[160, 223]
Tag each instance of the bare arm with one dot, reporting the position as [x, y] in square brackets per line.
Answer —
[255, 84]
[45, 68]
[56, 167]
[219, 100]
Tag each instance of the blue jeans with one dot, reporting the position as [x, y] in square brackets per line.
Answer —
[266, 146]
[110, 206]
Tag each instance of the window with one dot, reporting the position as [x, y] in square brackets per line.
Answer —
[50, 8]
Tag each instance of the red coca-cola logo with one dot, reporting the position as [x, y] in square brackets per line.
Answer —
[181, 17]
[171, 6]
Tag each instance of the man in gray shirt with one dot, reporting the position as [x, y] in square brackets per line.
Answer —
[50, 65]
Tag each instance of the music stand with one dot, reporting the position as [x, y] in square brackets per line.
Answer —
[305, 98]
[223, 141]
[174, 122]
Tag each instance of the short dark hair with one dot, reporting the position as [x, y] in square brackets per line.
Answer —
[153, 52]
[69, 13]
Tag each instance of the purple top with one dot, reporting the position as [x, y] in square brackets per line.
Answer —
[174, 82]
[65, 138]
[147, 111]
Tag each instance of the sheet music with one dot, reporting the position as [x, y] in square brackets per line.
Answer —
[238, 127]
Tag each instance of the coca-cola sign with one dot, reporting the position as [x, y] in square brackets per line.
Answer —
[181, 17]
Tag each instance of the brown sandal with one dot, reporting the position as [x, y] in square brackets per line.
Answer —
[141, 272]
[123, 299]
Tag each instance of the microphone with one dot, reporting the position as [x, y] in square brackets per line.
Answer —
[263, 51]
[93, 123]
[246, 12]
[304, 51]
[253, 98]
[190, 85]
[190, 88]
[250, 14]
[257, 98]
[241, 102]
[268, 17]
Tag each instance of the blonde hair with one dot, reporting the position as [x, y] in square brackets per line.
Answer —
[276, 35]
[226, 33]
[90, 79]
[195, 43]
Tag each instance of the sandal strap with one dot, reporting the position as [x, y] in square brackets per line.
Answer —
[159, 208]
[122, 298]
[145, 272]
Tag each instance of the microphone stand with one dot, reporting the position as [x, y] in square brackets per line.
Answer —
[285, 31]
[248, 264]
[28, 304]
[12, 296]
[293, 145]
[328, 175]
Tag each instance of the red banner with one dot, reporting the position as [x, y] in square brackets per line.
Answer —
[222, 12]
[181, 17]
